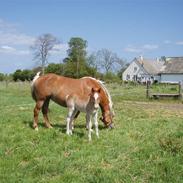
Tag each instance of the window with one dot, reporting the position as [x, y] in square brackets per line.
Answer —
[135, 69]
[127, 77]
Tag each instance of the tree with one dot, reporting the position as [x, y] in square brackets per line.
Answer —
[123, 68]
[2, 77]
[120, 65]
[42, 48]
[23, 75]
[92, 61]
[77, 54]
[106, 59]
[17, 75]
[54, 68]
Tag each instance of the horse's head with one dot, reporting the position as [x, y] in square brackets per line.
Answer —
[107, 119]
[95, 97]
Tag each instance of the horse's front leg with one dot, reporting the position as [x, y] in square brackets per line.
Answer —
[95, 115]
[89, 125]
[69, 121]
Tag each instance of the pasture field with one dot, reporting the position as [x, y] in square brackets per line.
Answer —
[145, 146]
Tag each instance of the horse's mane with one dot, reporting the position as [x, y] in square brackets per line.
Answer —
[101, 83]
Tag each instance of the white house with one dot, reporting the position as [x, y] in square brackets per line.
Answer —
[143, 70]
[172, 70]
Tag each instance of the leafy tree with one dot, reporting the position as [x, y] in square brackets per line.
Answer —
[54, 68]
[2, 77]
[77, 55]
[17, 75]
[42, 47]
[23, 75]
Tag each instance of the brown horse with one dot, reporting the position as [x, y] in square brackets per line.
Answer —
[57, 88]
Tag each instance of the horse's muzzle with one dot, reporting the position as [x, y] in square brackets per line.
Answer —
[111, 126]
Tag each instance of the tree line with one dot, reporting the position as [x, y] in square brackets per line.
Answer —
[103, 64]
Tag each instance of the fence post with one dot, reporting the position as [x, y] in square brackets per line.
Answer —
[180, 90]
[147, 89]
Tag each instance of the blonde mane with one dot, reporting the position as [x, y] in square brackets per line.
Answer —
[101, 83]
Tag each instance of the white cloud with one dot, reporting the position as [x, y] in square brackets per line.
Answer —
[6, 26]
[149, 46]
[60, 49]
[15, 39]
[179, 43]
[13, 51]
[140, 49]
[167, 42]
[12, 42]
[10, 36]
[8, 48]
[132, 49]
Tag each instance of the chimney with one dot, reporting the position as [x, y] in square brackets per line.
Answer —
[141, 58]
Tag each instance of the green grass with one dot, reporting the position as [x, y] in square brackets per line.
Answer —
[145, 146]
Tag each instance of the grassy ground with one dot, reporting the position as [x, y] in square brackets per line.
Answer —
[145, 146]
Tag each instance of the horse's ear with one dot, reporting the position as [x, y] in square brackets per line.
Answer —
[92, 90]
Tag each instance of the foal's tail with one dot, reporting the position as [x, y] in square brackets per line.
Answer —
[32, 85]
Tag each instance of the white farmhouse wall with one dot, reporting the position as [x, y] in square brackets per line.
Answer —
[171, 78]
[130, 72]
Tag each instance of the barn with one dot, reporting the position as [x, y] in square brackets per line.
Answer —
[172, 70]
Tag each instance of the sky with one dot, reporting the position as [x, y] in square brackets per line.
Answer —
[129, 28]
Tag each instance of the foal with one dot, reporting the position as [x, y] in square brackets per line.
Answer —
[89, 105]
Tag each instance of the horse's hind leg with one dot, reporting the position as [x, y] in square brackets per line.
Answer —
[75, 116]
[45, 113]
[37, 108]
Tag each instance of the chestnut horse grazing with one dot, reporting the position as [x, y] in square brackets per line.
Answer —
[60, 89]
[89, 105]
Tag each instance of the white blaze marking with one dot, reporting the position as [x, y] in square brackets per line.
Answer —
[95, 96]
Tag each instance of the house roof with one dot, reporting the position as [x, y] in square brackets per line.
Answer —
[150, 66]
[173, 65]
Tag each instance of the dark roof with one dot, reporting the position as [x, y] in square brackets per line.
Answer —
[150, 66]
[173, 65]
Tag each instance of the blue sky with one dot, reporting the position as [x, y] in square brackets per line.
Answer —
[152, 28]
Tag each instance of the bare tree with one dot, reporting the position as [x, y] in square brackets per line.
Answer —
[106, 59]
[42, 48]
[92, 61]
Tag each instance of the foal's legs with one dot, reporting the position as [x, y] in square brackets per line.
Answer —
[45, 113]
[96, 123]
[37, 108]
[70, 118]
[89, 124]
[75, 116]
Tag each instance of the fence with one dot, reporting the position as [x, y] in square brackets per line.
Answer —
[177, 95]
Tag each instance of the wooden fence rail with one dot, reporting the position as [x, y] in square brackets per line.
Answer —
[163, 95]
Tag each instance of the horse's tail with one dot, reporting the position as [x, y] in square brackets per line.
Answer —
[32, 85]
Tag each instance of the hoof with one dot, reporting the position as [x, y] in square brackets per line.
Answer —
[50, 127]
[36, 129]
[69, 133]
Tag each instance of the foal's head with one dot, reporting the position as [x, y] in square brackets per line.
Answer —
[95, 97]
